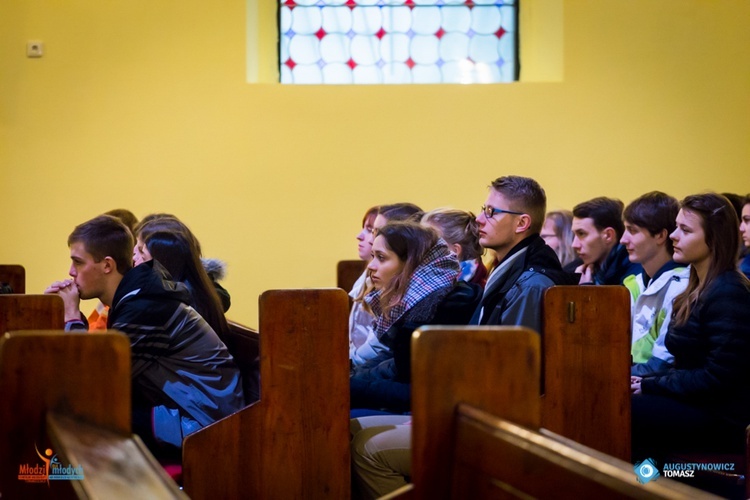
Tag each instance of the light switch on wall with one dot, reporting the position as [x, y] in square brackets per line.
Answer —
[34, 48]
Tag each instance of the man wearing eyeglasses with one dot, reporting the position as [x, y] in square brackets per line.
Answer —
[509, 224]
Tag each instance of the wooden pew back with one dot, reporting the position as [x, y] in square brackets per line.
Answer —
[495, 458]
[31, 312]
[15, 276]
[244, 345]
[347, 273]
[293, 443]
[72, 373]
[493, 368]
[586, 349]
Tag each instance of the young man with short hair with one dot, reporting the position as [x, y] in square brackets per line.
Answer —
[597, 229]
[183, 376]
[649, 220]
[509, 224]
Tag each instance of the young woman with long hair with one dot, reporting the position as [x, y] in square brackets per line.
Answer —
[703, 402]
[414, 276]
[171, 242]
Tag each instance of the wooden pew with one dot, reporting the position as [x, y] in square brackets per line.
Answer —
[15, 276]
[115, 464]
[294, 442]
[476, 411]
[586, 346]
[243, 344]
[347, 272]
[494, 368]
[31, 312]
[85, 377]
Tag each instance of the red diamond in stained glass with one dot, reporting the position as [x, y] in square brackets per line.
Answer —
[470, 3]
[380, 34]
[320, 33]
[410, 4]
[439, 33]
[499, 33]
[290, 3]
[410, 63]
[351, 4]
[290, 63]
[351, 63]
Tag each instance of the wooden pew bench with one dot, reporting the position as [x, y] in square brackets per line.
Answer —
[82, 377]
[476, 431]
[294, 442]
[31, 312]
[15, 276]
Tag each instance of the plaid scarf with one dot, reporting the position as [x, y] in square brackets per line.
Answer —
[439, 269]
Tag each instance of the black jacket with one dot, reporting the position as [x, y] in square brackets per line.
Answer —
[712, 352]
[178, 361]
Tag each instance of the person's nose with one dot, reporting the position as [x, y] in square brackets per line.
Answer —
[72, 271]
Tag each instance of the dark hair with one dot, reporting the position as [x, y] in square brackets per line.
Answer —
[410, 242]
[719, 222]
[126, 217]
[562, 220]
[605, 212]
[655, 212]
[177, 251]
[524, 195]
[370, 215]
[737, 202]
[457, 227]
[164, 222]
[105, 236]
[400, 212]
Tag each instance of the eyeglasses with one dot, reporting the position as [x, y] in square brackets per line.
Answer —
[490, 212]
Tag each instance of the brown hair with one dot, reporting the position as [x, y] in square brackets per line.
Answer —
[457, 227]
[106, 236]
[524, 195]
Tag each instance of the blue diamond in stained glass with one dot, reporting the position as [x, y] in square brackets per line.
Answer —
[439, 63]
[410, 33]
[380, 64]
[500, 62]
[321, 63]
[351, 34]
[289, 34]
[471, 33]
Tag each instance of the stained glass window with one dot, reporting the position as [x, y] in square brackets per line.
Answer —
[398, 41]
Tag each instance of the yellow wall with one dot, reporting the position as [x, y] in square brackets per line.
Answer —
[145, 105]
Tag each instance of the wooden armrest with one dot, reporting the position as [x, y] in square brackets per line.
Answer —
[114, 465]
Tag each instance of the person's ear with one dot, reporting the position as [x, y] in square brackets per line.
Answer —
[456, 249]
[524, 223]
[609, 235]
[661, 237]
[109, 265]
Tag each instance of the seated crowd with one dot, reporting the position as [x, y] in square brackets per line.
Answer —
[680, 261]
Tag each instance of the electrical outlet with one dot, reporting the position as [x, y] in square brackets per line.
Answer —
[34, 48]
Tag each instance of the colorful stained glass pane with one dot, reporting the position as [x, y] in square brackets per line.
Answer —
[397, 41]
